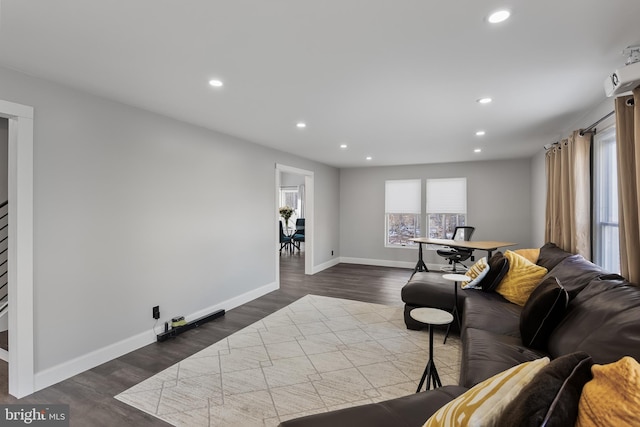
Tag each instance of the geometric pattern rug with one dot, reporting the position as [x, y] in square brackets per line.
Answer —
[315, 355]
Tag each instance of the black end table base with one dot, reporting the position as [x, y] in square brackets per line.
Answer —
[430, 371]
[456, 316]
[454, 312]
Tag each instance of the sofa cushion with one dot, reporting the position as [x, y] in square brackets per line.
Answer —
[491, 312]
[521, 279]
[485, 354]
[483, 404]
[551, 255]
[552, 396]
[498, 267]
[612, 397]
[531, 254]
[429, 289]
[542, 312]
[411, 410]
[575, 273]
[602, 320]
[476, 273]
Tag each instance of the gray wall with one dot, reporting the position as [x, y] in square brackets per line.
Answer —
[498, 205]
[291, 179]
[133, 209]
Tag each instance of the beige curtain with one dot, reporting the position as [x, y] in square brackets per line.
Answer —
[627, 136]
[568, 214]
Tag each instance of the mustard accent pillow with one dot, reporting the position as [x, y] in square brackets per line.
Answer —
[476, 273]
[612, 397]
[530, 254]
[521, 279]
[483, 404]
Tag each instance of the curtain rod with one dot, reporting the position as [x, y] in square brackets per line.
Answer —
[582, 131]
[596, 123]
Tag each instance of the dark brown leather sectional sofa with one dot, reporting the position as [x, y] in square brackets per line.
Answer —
[602, 319]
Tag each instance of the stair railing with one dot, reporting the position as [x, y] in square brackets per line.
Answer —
[4, 249]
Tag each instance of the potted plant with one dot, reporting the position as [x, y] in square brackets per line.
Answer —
[285, 213]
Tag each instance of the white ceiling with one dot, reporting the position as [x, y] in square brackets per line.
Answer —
[393, 79]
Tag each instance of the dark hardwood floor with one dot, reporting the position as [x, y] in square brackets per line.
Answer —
[90, 394]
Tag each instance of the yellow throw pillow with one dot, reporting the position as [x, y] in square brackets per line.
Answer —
[530, 254]
[483, 404]
[521, 279]
[612, 397]
[476, 273]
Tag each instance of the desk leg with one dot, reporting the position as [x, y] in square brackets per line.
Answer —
[420, 266]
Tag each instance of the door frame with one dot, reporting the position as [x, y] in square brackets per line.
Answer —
[308, 213]
[20, 254]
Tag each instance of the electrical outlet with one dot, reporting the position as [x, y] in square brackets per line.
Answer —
[156, 312]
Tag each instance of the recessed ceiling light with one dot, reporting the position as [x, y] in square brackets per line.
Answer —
[477, 150]
[301, 125]
[480, 133]
[499, 16]
[484, 100]
[369, 157]
[343, 146]
[215, 83]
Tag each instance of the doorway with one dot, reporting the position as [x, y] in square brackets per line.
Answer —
[20, 253]
[295, 177]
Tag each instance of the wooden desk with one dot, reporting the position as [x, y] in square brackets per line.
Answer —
[487, 245]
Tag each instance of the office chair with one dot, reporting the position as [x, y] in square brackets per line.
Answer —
[457, 255]
[298, 236]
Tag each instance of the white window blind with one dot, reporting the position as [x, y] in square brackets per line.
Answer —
[402, 196]
[402, 200]
[447, 195]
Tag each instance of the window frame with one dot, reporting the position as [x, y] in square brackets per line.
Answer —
[460, 206]
[600, 225]
[416, 213]
[293, 189]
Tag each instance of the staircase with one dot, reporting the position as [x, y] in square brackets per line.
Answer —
[4, 277]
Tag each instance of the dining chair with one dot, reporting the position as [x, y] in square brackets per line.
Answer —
[298, 236]
[285, 241]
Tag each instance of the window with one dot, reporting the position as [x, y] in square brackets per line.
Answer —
[446, 206]
[402, 212]
[606, 239]
[289, 196]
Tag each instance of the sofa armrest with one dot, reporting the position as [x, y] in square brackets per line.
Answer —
[406, 411]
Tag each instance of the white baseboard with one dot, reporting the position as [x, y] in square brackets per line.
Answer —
[388, 263]
[325, 265]
[65, 370]
[55, 374]
[235, 301]
[4, 355]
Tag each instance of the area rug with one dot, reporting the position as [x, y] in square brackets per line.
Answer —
[315, 355]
